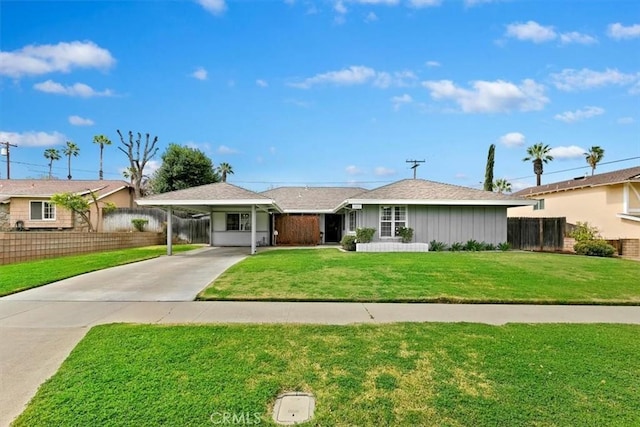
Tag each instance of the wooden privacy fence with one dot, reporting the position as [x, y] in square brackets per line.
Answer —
[191, 230]
[536, 234]
[298, 229]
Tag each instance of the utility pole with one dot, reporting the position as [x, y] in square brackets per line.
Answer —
[5, 151]
[415, 165]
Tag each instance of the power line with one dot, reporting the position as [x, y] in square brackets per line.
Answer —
[578, 168]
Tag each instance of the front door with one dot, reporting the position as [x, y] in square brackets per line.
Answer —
[332, 228]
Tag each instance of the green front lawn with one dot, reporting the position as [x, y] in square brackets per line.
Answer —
[501, 277]
[364, 375]
[26, 275]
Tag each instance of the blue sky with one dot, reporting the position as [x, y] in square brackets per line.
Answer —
[333, 92]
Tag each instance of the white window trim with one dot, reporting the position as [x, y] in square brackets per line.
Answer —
[42, 203]
[393, 220]
[355, 228]
[240, 223]
[539, 206]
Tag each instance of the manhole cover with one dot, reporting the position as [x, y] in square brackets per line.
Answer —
[293, 408]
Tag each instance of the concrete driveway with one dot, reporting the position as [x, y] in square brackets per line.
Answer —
[176, 278]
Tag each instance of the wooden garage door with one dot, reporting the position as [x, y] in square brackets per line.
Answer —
[298, 229]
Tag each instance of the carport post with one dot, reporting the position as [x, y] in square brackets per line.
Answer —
[253, 229]
[169, 231]
[211, 228]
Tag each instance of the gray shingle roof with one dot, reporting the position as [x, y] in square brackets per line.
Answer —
[48, 187]
[420, 189]
[209, 192]
[615, 177]
[311, 199]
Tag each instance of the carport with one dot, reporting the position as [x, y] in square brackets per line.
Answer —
[219, 200]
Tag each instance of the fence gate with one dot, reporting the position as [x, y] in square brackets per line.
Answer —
[298, 229]
[536, 234]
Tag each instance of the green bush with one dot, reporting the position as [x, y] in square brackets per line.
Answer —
[436, 246]
[473, 246]
[139, 223]
[594, 247]
[348, 242]
[583, 232]
[456, 247]
[488, 246]
[406, 234]
[504, 246]
[365, 235]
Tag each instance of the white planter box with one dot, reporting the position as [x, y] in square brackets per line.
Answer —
[392, 247]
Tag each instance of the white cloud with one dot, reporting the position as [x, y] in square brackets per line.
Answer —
[358, 75]
[512, 139]
[531, 31]
[618, 31]
[570, 152]
[200, 73]
[47, 58]
[340, 8]
[215, 7]
[262, 83]
[574, 116]
[371, 17]
[399, 101]
[223, 149]
[625, 120]
[432, 64]
[491, 97]
[576, 37]
[570, 79]
[151, 167]
[33, 139]
[461, 175]
[80, 121]
[382, 171]
[353, 170]
[424, 3]
[471, 3]
[77, 89]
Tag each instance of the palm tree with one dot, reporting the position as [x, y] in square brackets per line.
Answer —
[51, 154]
[225, 169]
[102, 141]
[502, 186]
[593, 156]
[70, 150]
[538, 154]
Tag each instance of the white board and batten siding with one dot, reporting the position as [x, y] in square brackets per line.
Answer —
[222, 237]
[447, 224]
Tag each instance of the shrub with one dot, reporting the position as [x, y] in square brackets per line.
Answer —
[504, 246]
[139, 223]
[436, 246]
[348, 242]
[489, 246]
[365, 235]
[594, 247]
[583, 231]
[472, 245]
[456, 247]
[406, 234]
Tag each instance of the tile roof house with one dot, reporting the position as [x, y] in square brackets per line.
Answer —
[609, 201]
[24, 203]
[436, 211]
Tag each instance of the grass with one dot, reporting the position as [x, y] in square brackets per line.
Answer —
[364, 375]
[26, 275]
[487, 277]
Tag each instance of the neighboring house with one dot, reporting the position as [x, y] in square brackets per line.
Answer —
[25, 203]
[436, 211]
[609, 201]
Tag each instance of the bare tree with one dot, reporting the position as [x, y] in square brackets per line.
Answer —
[133, 149]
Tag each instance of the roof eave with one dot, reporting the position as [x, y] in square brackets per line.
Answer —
[470, 202]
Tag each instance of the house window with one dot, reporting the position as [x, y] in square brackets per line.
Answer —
[539, 205]
[392, 218]
[238, 222]
[353, 221]
[42, 211]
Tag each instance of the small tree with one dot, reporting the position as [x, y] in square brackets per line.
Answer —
[81, 205]
[488, 174]
[183, 167]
